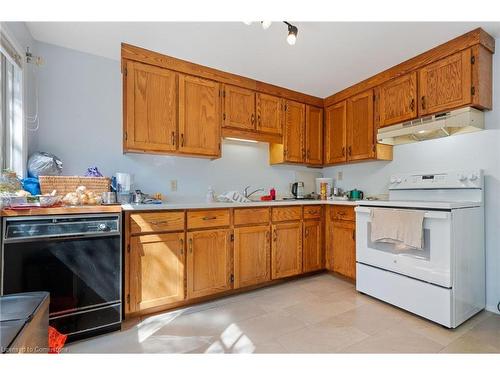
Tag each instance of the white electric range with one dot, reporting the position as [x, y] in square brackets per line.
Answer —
[445, 280]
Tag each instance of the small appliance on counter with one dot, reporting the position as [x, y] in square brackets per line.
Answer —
[121, 184]
[298, 190]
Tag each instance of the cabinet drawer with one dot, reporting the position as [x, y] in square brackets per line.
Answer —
[286, 213]
[343, 213]
[312, 212]
[156, 222]
[207, 219]
[244, 216]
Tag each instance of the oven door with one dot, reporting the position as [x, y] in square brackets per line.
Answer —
[79, 272]
[431, 264]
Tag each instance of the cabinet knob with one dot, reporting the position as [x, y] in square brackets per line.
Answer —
[252, 119]
[423, 101]
[412, 104]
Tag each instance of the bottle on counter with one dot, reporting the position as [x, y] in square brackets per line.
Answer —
[272, 193]
[210, 195]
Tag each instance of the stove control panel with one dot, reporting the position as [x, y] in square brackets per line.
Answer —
[469, 179]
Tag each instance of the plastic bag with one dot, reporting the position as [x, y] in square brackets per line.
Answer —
[44, 164]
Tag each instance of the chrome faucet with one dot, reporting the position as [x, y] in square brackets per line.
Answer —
[246, 194]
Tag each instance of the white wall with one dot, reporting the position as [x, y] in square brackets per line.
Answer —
[475, 150]
[81, 122]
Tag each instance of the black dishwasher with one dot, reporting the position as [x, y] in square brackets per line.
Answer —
[77, 259]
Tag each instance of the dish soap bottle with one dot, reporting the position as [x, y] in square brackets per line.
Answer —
[210, 195]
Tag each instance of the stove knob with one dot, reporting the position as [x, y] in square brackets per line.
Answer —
[462, 177]
[473, 177]
[393, 180]
[399, 180]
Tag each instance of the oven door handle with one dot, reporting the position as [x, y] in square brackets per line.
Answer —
[427, 215]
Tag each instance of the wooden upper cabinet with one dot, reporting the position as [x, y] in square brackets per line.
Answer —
[151, 108]
[336, 133]
[312, 249]
[314, 135]
[208, 262]
[156, 270]
[360, 129]
[445, 84]
[398, 100]
[293, 137]
[252, 255]
[269, 114]
[199, 116]
[239, 108]
[286, 250]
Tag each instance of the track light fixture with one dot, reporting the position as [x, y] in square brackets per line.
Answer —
[292, 33]
[292, 30]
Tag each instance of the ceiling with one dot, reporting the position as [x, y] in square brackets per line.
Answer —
[328, 56]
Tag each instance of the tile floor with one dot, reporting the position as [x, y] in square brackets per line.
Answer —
[318, 314]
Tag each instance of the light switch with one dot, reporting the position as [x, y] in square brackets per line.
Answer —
[340, 175]
[173, 185]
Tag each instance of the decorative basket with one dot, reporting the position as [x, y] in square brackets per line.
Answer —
[68, 184]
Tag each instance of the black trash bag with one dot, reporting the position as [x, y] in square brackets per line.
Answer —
[44, 164]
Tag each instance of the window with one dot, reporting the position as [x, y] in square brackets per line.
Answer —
[11, 109]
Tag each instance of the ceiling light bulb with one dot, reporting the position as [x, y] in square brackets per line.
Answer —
[266, 24]
[292, 34]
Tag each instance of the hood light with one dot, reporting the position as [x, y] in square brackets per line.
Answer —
[241, 140]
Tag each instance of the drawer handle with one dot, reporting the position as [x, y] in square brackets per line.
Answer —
[191, 245]
[210, 218]
[159, 222]
[182, 246]
[275, 236]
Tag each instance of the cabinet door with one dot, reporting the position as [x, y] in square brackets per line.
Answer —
[286, 252]
[199, 116]
[269, 113]
[314, 135]
[208, 262]
[336, 134]
[252, 255]
[313, 249]
[156, 270]
[360, 131]
[398, 100]
[239, 108]
[344, 248]
[445, 84]
[294, 132]
[151, 108]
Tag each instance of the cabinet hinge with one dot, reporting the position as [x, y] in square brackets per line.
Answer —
[232, 278]
[473, 90]
[128, 298]
[473, 59]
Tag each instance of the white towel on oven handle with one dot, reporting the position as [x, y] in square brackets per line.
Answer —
[398, 226]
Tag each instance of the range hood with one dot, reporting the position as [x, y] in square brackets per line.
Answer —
[459, 121]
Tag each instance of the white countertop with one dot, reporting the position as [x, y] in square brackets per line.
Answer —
[194, 205]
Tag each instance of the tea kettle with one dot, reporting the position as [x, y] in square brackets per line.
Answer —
[298, 190]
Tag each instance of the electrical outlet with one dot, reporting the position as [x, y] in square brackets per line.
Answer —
[173, 185]
[340, 175]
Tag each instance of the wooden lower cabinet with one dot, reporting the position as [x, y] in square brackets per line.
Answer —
[252, 255]
[343, 242]
[209, 261]
[312, 246]
[156, 270]
[286, 250]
